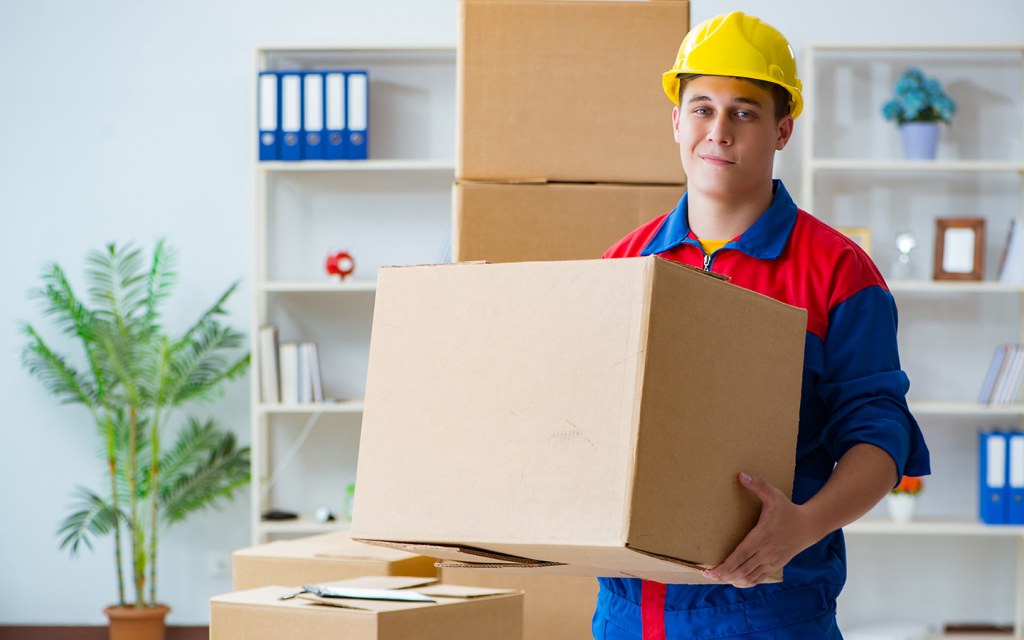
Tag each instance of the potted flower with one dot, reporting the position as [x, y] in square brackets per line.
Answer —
[919, 106]
[133, 376]
[902, 500]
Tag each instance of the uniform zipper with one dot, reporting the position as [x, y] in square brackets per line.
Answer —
[707, 262]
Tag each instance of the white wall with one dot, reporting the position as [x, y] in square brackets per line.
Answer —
[128, 121]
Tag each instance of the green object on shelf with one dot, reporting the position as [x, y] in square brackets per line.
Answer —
[350, 497]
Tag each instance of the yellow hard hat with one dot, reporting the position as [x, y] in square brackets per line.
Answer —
[740, 46]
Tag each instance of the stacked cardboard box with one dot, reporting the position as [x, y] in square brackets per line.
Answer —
[564, 146]
[564, 135]
[323, 558]
[574, 418]
[372, 609]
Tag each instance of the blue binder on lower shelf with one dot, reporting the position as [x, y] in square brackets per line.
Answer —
[1015, 479]
[993, 448]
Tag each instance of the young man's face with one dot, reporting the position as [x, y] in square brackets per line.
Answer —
[728, 136]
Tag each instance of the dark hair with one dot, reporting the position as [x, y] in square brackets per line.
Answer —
[780, 95]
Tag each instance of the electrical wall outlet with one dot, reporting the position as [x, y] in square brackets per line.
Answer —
[218, 564]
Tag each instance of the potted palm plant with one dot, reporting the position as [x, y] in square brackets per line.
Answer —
[133, 376]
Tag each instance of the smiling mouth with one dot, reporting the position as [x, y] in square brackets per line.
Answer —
[715, 160]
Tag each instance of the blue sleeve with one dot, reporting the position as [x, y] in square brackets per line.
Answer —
[863, 387]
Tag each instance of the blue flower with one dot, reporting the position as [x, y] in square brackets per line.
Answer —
[919, 99]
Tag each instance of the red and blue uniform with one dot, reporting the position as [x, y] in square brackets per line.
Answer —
[854, 391]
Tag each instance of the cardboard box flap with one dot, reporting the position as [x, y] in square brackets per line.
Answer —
[460, 553]
[685, 563]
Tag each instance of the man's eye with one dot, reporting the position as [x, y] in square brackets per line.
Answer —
[701, 111]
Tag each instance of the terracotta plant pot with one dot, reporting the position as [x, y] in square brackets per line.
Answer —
[129, 623]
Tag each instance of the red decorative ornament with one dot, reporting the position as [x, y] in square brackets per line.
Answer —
[340, 265]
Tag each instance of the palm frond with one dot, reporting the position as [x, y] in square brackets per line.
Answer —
[194, 440]
[60, 378]
[71, 315]
[118, 284]
[160, 282]
[92, 517]
[200, 363]
[216, 309]
[213, 472]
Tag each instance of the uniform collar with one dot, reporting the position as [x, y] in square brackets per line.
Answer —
[765, 239]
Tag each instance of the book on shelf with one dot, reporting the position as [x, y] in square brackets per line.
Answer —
[310, 388]
[1011, 268]
[1002, 381]
[289, 370]
[270, 387]
[288, 362]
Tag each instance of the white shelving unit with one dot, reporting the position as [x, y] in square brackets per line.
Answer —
[853, 175]
[391, 209]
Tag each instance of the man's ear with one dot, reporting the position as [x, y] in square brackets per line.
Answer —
[675, 123]
[785, 132]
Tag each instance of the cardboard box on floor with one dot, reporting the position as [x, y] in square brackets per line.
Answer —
[579, 417]
[554, 607]
[501, 222]
[567, 90]
[260, 614]
[321, 558]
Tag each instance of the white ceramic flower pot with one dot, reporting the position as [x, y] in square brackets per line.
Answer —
[901, 506]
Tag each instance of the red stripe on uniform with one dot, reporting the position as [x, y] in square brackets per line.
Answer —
[652, 610]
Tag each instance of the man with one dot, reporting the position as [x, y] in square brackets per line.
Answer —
[737, 95]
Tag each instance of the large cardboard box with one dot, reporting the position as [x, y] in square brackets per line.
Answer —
[500, 222]
[322, 558]
[261, 614]
[579, 417]
[567, 90]
[554, 607]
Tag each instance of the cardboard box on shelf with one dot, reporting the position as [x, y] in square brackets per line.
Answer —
[567, 90]
[501, 222]
[554, 607]
[321, 558]
[457, 613]
[578, 418]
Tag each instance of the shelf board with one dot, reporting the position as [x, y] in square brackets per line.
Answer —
[937, 166]
[285, 286]
[952, 286]
[439, 166]
[933, 527]
[941, 48]
[344, 406]
[303, 524]
[965, 408]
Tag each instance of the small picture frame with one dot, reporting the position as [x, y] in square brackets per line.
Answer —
[959, 248]
[860, 235]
